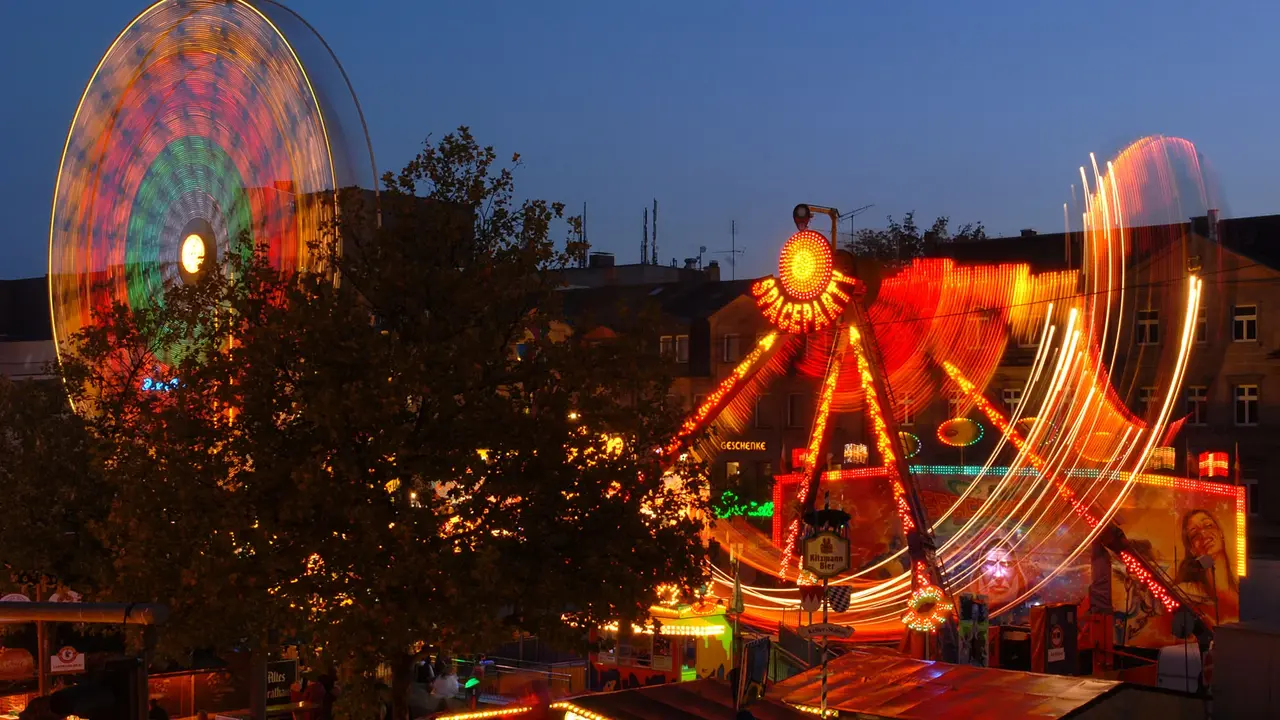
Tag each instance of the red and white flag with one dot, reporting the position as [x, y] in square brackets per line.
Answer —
[811, 598]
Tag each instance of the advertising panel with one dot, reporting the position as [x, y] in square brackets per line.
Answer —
[1191, 529]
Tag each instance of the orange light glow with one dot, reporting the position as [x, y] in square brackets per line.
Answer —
[805, 265]
[809, 295]
[880, 429]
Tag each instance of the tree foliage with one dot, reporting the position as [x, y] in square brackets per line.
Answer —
[358, 456]
[900, 242]
[53, 491]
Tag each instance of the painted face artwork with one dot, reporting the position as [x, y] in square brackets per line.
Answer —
[1001, 580]
[1203, 535]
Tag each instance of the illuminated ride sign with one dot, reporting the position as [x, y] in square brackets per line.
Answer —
[810, 293]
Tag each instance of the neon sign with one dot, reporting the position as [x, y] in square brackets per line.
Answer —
[808, 295]
[153, 385]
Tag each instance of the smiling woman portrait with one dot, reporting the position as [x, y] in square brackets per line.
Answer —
[1203, 539]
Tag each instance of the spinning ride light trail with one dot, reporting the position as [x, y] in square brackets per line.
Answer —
[206, 122]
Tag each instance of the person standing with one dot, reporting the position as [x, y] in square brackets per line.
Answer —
[445, 687]
[156, 712]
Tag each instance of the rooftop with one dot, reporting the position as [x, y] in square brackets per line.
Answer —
[885, 684]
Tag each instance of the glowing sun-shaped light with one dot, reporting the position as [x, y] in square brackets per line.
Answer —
[192, 253]
[805, 265]
[807, 296]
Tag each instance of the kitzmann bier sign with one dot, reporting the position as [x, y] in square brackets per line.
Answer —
[826, 554]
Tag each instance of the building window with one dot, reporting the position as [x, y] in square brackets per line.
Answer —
[1244, 323]
[1197, 405]
[732, 469]
[1202, 327]
[1148, 327]
[667, 346]
[762, 413]
[1252, 497]
[1147, 398]
[764, 470]
[732, 348]
[1011, 397]
[1246, 405]
[794, 410]
[682, 348]
[908, 417]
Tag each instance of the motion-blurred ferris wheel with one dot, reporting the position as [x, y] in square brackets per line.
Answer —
[206, 122]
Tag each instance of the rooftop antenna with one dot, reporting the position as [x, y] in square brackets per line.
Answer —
[653, 244]
[851, 215]
[644, 244]
[733, 252]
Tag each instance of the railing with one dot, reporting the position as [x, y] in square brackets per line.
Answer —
[507, 677]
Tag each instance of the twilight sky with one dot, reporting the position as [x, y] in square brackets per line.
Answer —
[737, 110]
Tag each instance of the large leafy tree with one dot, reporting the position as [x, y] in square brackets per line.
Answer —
[901, 241]
[406, 448]
[53, 490]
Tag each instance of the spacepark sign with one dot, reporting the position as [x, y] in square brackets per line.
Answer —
[826, 554]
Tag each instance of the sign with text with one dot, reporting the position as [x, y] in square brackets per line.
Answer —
[826, 554]
[751, 445]
[824, 630]
[66, 660]
[281, 675]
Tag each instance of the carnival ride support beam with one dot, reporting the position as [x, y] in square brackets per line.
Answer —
[921, 545]
[728, 389]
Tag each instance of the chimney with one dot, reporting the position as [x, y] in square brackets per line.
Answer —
[1213, 224]
[1027, 232]
[713, 271]
[691, 263]
[600, 260]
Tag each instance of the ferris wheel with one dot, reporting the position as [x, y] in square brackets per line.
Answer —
[208, 127]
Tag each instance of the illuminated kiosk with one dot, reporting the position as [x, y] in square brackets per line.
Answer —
[205, 122]
[1073, 472]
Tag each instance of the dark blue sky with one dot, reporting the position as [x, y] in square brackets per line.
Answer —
[738, 110]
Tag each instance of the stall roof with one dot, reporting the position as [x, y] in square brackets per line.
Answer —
[709, 698]
[888, 685]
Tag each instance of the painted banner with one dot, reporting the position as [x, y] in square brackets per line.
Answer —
[1183, 531]
[1180, 524]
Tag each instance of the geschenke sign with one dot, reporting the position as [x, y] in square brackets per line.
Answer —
[751, 445]
[826, 554]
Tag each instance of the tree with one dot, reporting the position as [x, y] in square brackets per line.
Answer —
[53, 493]
[369, 463]
[900, 242]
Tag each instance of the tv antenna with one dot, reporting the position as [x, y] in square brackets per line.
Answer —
[733, 252]
[853, 214]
